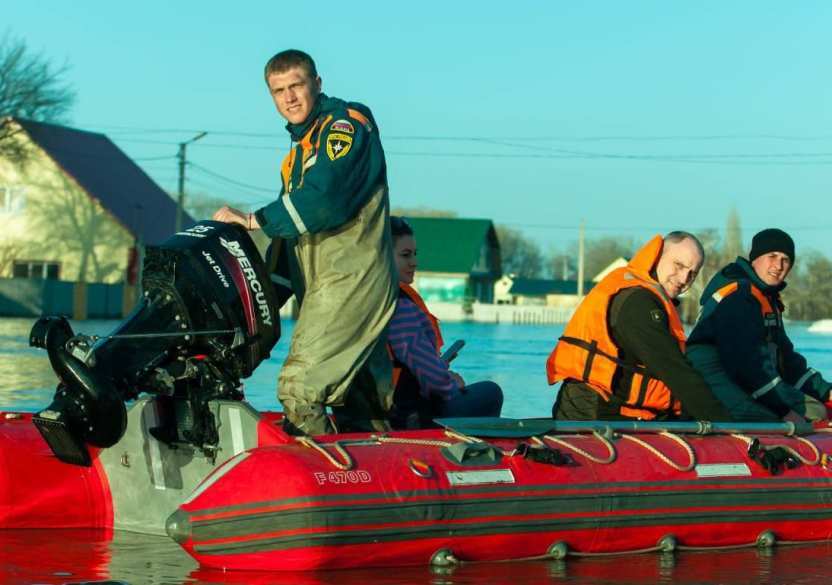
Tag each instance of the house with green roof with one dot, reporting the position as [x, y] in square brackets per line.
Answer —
[514, 290]
[459, 259]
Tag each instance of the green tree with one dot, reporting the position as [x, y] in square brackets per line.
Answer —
[30, 87]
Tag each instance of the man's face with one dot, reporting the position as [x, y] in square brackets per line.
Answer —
[294, 93]
[772, 268]
[678, 266]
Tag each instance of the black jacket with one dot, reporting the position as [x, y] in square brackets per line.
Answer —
[753, 348]
[639, 326]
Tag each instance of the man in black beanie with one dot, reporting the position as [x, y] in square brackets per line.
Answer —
[739, 343]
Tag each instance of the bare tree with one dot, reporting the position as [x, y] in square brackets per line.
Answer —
[689, 309]
[30, 87]
[421, 212]
[733, 237]
[202, 205]
[520, 255]
[809, 294]
[560, 265]
[600, 252]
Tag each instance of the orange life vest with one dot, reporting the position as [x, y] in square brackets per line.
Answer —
[414, 296]
[587, 353]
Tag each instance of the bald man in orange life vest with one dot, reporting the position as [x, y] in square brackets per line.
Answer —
[621, 355]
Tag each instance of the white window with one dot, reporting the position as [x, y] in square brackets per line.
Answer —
[12, 198]
[36, 269]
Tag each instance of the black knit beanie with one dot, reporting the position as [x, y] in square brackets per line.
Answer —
[771, 240]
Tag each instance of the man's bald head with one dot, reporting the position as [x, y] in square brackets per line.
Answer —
[680, 262]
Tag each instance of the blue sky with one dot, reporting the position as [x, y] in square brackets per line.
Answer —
[636, 116]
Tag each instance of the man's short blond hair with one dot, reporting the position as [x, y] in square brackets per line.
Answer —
[287, 59]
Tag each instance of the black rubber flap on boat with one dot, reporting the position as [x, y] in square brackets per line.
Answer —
[498, 427]
[64, 444]
[472, 454]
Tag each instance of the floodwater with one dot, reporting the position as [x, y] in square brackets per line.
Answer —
[512, 355]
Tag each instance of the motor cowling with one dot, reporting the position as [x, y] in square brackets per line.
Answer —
[207, 317]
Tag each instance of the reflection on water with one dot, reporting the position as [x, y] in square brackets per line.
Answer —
[26, 379]
[514, 356]
[76, 556]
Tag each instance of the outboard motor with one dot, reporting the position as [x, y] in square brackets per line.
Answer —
[207, 318]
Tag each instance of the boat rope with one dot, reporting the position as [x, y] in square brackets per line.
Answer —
[662, 457]
[409, 441]
[438, 443]
[666, 545]
[616, 553]
[817, 456]
[313, 444]
[610, 447]
[462, 437]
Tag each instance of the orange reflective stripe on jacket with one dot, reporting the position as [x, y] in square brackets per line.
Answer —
[414, 296]
[587, 353]
[308, 150]
[771, 315]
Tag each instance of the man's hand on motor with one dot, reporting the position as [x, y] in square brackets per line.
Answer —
[228, 214]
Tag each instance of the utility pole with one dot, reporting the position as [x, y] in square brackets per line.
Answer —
[581, 260]
[180, 206]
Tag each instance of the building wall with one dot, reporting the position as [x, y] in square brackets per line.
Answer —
[48, 218]
[442, 286]
[563, 301]
[501, 288]
[529, 301]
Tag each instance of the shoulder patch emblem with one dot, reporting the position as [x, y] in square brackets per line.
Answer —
[338, 145]
[657, 315]
[342, 126]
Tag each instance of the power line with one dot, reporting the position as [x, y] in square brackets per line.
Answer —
[630, 228]
[230, 180]
[555, 138]
[150, 158]
[600, 156]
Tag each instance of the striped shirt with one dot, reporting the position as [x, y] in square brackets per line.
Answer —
[413, 343]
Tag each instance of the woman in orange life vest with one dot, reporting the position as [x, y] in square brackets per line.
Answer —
[425, 387]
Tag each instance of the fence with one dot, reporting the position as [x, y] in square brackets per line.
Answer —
[25, 297]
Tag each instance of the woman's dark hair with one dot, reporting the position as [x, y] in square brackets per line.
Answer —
[400, 227]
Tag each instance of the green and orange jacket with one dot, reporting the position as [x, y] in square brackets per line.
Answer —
[335, 166]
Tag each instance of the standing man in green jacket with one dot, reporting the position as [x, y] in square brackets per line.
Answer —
[333, 215]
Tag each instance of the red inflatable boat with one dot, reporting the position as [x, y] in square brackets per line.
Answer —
[539, 489]
[191, 459]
